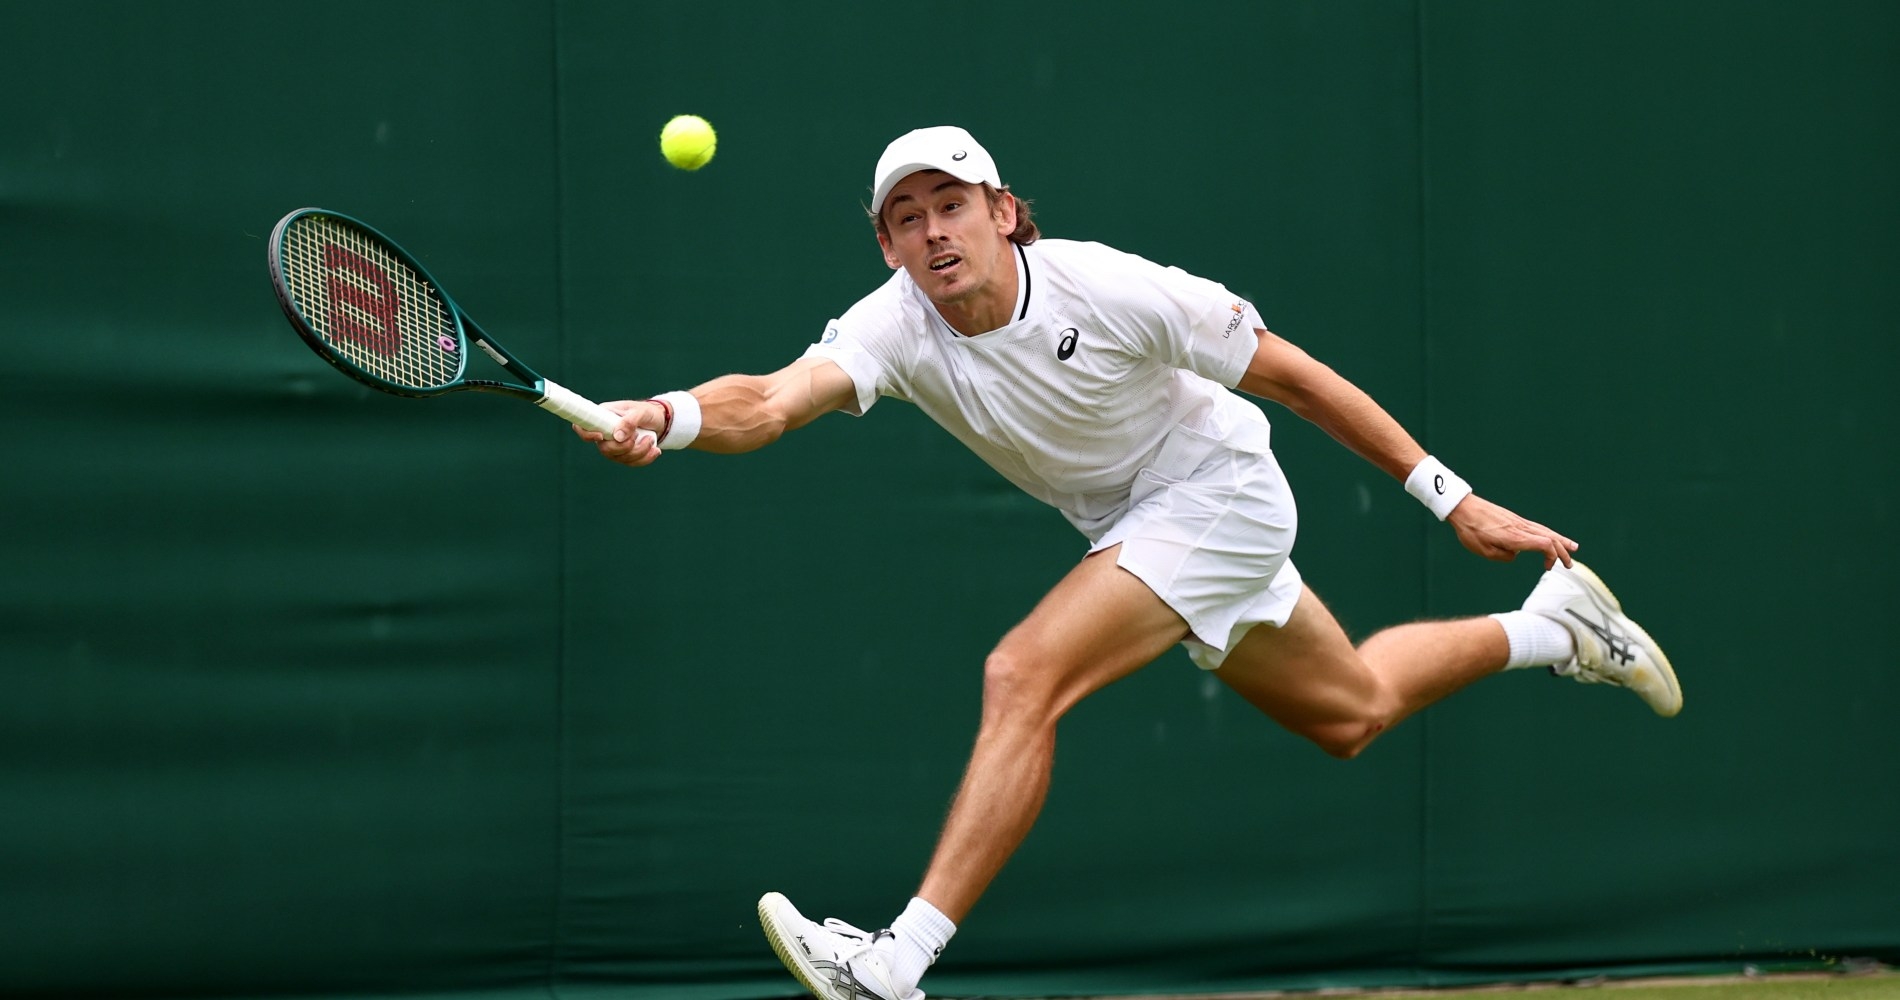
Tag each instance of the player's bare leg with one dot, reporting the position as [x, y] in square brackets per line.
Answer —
[1099, 624]
[1308, 677]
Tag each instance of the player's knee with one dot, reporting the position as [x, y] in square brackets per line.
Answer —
[1015, 690]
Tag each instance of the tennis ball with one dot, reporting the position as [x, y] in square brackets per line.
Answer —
[688, 142]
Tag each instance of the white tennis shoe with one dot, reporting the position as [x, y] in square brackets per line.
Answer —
[1611, 648]
[834, 960]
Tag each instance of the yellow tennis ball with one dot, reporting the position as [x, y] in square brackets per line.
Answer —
[688, 142]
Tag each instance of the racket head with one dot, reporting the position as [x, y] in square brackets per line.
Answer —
[365, 305]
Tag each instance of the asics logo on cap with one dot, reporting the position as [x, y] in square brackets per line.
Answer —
[959, 154]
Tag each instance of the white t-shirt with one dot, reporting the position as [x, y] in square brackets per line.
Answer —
[1108, 355]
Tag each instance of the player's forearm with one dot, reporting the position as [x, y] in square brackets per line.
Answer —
[1354, 419]
[737, 415]
[1344, 411]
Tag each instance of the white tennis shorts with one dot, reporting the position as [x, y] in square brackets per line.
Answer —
[1210, 530]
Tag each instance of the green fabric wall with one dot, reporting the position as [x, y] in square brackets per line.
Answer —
[306, 689]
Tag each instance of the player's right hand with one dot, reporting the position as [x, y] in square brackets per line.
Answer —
[635, 442]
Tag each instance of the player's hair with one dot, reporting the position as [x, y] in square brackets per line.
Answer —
[1025, 232]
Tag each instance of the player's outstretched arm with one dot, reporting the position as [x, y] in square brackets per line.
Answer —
[1284, 373]
[737, 413]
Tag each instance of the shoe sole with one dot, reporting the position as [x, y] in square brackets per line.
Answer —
[787, 950]
[1656, 654]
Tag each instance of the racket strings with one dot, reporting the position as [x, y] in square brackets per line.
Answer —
[370, 307]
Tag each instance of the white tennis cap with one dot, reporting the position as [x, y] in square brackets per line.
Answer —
[942, 147]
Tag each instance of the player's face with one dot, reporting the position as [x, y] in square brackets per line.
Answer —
[950, 238]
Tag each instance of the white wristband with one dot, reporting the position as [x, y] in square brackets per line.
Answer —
[1437, 487]
[685, 426]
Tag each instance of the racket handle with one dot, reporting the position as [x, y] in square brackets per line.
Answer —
[576, 408]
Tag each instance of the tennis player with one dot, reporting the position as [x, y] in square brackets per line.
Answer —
[1103, 385]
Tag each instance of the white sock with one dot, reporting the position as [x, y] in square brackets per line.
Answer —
[1536, 641]
[921, 933]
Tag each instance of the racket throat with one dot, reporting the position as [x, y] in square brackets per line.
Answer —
[494, 352]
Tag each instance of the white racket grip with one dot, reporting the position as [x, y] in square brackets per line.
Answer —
[576, 408]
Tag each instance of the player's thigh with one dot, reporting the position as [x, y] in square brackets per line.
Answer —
[1306, 674]
[1095, 626]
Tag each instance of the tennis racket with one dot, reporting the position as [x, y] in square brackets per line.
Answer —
[371, 310]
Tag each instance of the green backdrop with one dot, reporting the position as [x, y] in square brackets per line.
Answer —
[305, 689]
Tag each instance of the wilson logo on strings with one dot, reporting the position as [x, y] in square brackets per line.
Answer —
[349, 301]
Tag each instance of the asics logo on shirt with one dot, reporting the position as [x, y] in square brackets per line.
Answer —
[1066, 348]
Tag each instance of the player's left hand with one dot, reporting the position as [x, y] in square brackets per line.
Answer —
[1495, 533]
